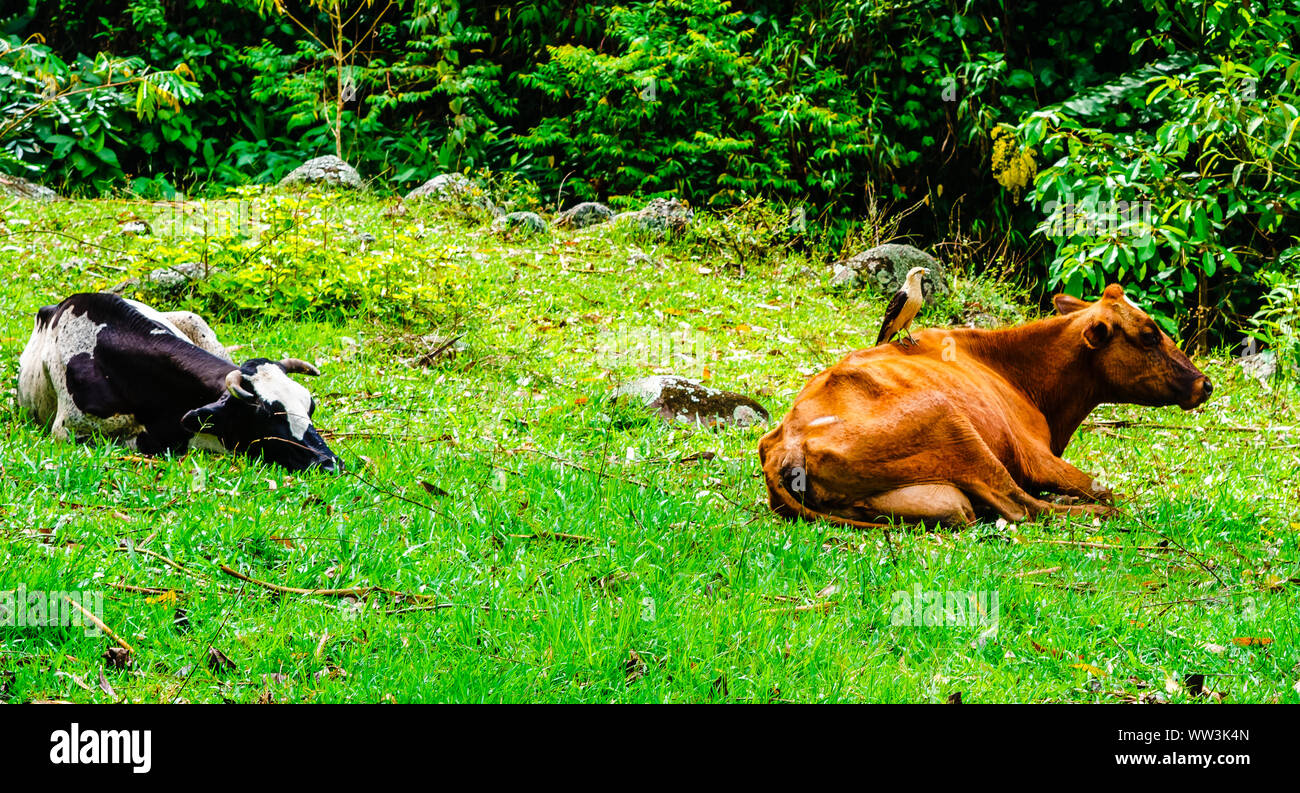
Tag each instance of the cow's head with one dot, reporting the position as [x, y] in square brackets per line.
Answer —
[1136, 361]
[265, 413]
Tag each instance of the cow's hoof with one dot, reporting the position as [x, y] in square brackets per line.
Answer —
[1103, 495]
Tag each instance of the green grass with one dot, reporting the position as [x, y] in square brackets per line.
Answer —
[679, 585]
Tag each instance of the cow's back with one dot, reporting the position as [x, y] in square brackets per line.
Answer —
[874, 391]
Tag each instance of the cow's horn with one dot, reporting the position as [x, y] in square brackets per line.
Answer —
[235, 385]
[295, 366]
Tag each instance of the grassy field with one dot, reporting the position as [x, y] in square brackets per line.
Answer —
[526, 539]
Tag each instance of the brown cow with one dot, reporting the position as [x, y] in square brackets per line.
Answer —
[970, 417]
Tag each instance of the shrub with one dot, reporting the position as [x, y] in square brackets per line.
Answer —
[1181, 179]
[67, 119]
[303, 256]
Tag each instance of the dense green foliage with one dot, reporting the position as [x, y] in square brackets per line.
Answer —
[1188, 108]
[63, 119]
[1201, 151]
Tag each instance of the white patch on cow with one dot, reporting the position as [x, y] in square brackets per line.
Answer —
[35, 390]
[43, 378]
[76, 334]
[824, 420]
[273, 385]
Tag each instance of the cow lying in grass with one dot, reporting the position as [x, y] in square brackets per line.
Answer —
[97, 364]
[970, 419]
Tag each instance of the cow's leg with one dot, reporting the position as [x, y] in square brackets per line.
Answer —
[1048, 472]
[59, 429]
[983, 477]
[938, 448]
[929, 503]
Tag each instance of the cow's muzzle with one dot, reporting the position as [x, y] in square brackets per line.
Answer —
[331, 465]
[1200, 391]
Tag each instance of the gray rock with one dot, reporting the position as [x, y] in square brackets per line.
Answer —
[179, 275]
[327, 171]
[526, 222]
[585, 214]
[980, 319]
[660, 217]
[163, 279]
[679, 399]
[886, 267]
[454, 188]
[1261, 365]
[136, 228]
[445, 184]
[843, 275]
[18, 187]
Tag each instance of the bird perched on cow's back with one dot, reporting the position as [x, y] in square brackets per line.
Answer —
[903, 307]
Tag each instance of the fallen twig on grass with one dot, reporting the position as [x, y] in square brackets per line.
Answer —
[816, 608]
[1042, 571]
[99, 624]
[1220, 596]
[1077, 586]
[554, 535]
[560, 567]
[353, 592]
[1128, 423]
[444, 606]
[146, 590]
[1102, 545]
[128, 548]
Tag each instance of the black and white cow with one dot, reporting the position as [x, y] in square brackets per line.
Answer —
[98, 364]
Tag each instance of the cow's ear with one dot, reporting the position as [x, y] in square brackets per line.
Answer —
[1065, 304]
[202, 419]
[1096, 335]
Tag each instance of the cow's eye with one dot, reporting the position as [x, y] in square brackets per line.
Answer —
[1150, 337]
